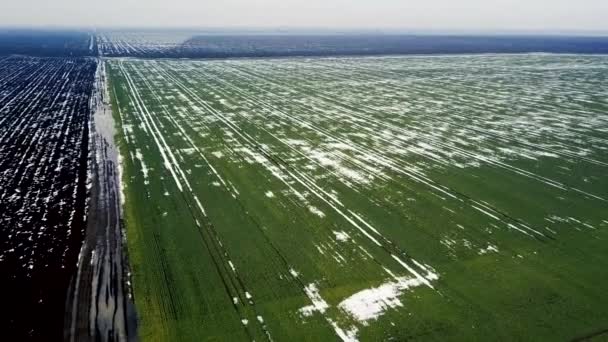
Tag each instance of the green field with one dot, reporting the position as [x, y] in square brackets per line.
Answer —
[390, 198]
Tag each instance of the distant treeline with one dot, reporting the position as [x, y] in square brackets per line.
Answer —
[225, 46]
[46, 43]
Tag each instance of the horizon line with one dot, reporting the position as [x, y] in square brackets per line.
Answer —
[324, 30]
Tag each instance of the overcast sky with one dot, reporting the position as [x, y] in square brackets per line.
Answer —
[489, 15]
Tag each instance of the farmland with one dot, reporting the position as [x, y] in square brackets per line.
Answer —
[232, 43]
[47, 43]
[451, 198]
[44, 111]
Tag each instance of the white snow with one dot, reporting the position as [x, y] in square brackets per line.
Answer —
[318, 303]
[370, 304]
[316, 211]
[121, 183]
[341, 236]
[345, 335]
[490, 248]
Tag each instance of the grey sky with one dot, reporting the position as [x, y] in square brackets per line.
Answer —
[557, 15]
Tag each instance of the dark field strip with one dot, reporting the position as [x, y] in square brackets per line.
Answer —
[389, 198]
[46, 43]
[44, 115]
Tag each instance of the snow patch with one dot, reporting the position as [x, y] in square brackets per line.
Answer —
[316, 211]
[341, 236]
[370, 304]
[318, 303]
[490, 248]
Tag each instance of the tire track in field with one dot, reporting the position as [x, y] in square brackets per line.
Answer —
[223, 251]
[221, 257]
[390, 248]
[286, 264]
[304, 181]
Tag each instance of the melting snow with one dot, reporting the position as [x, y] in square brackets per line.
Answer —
[318, 303]
[341, 236]
[490, 248]
[144, 169]
[345, 335]
[371, 303]
[316, 211]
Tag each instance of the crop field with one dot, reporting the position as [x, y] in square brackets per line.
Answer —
[386, 198]
[47, 43]
[222, 44]
[44, 110]
[138, 43]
